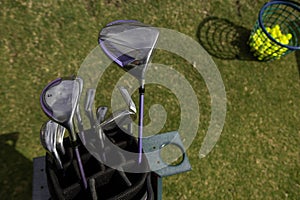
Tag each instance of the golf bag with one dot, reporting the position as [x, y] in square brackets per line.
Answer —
[103, 182]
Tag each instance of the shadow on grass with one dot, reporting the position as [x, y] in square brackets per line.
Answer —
[225, 40]
[15, 169]
[297, 54]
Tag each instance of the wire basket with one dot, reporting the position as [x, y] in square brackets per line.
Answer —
[277, 30]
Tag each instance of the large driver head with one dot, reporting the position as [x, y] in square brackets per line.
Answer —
[130, 44]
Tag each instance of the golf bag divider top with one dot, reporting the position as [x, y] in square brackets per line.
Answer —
[108, 182]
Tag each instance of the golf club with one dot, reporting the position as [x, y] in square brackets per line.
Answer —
[118, 118]
[130, 103]
[88, 106]
[127, 98]
[93, 190]
[100, 113]
[60, 138]
[80, 125]
[130, 44]
[59, 101]
[48, 140]
[78, 115]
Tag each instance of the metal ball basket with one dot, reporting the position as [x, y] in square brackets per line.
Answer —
[276, 33]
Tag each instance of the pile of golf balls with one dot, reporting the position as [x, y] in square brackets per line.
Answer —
[263, 47]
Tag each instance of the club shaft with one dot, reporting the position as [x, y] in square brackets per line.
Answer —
[141, 120]
[93, 191]
[100, 133]
[71, 130]
[82, 174]
[58, 160]
[80, 126]
[61, 148]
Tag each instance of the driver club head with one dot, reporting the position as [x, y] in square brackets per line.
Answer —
[59, 101]
[48, 140]
[130, 44]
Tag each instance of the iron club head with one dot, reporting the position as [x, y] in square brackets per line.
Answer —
[100, 113]
[89, 100]
[60, 138]
[48, 140]
[118, 118]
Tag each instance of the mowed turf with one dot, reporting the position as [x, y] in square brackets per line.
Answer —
[258, 154]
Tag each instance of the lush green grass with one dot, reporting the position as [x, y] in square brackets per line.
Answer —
[258, 155]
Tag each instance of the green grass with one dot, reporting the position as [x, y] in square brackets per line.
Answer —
[257, 156]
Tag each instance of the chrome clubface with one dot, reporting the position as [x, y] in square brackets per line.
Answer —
[88, 106]
[48, 140]
[78, 116]
[60, 139]
[101, 112]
